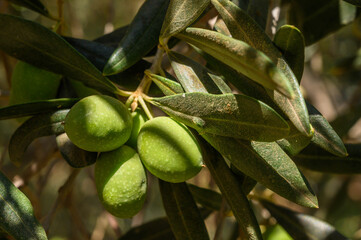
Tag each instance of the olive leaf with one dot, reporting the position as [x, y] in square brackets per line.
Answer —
[75, 157]
[141, 37]
[35, 127]
[33, 108]
[292, 45]
[240, 56]
[33, 43]
[224, 115]
[267, 164]
[325, 137]
[192, 76]
[16, 213]
[167, 86]
[34, 5]
[248, 183]
[183, 215]
[113, 38]
[244, 28]
[302, 226]
[231, 189]
[295, 142]
[157, 229]
[206, 197]
[258, 10]
[98, 54]
[180, 14]
[354, 2]
[317, 159]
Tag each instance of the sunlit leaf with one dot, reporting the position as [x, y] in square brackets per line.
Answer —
[231, 189]
[317, 159]
[240, 56]
[180, 14]
[167, 86]
[183, 215]
[292, 45]
[302, 226]
[141, 37]
[244, 28]
[267, 164]
[325, 137]
[35, 127]
[75, 157]
[29, 109]
[33, 43]
[225, 115]
[294, 142]
[192, 76]
[16, 213]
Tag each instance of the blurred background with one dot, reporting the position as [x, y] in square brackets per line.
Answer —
[331, 82]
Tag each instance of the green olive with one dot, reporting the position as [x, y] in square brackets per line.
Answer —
[139, 118]
[169, 150]
[98, 123]
[121, 181]
[29, 83]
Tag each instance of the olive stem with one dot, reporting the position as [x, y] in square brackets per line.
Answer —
[143, 88]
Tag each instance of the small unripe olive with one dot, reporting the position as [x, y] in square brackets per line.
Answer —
[121, 181]
[98, 123]
[169, 150]
[139, 118]
[29, 83]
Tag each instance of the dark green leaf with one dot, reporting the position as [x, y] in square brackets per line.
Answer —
[192, 76]
[231, 189]
[183, 215]
[294, 142]
[301, 226]
[35, 127]
[292, 45]
[317, 19]
[113, 38]
[325, 137]
[98, 54]
[180, 14]
[354, 2]
[75, 157]
[16, 213]
[141, 37]
[34, 5]
[157, 229]
[240, 56]
[168, 87]
[243, 4]
[317, 159]
[244, 28]
[267, 164]
[258, 10]
[29, 109]
[33, 43]
[247, 182]
[206, 197]
[225, 115]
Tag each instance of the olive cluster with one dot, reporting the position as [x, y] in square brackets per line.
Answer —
[126, 142]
